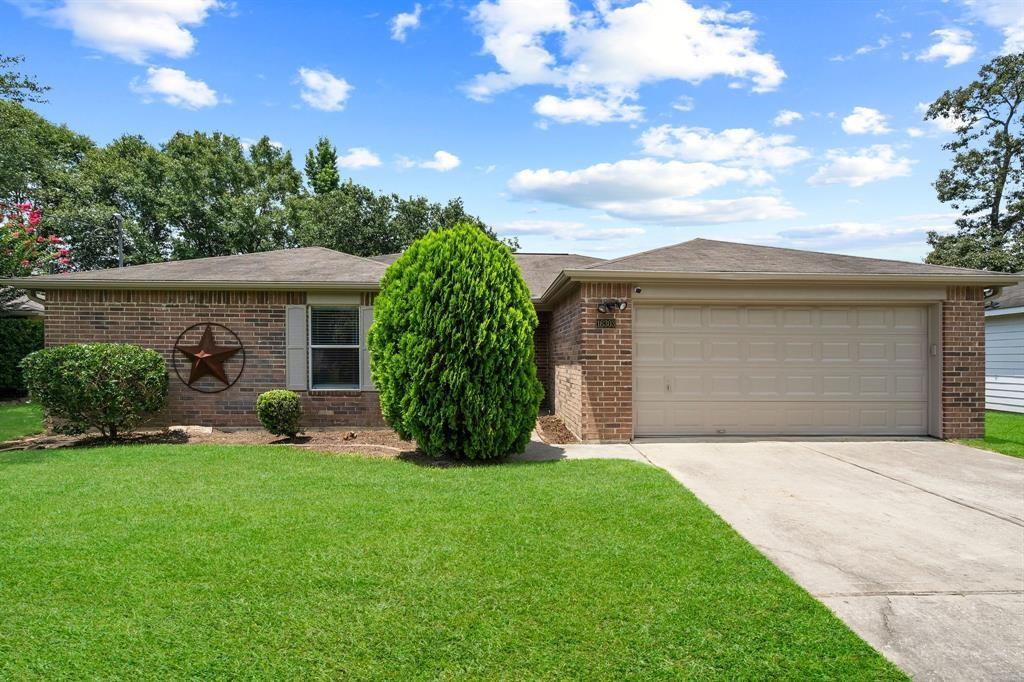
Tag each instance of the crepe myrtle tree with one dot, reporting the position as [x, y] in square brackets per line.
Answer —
[25, 248]
[452, 346]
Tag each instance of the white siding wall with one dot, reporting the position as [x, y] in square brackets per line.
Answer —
[1004, 362]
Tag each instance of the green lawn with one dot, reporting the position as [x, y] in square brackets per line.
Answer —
[271, 562]
[1004, 432]
[20, 419]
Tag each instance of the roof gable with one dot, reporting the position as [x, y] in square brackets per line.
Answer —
[709, 256]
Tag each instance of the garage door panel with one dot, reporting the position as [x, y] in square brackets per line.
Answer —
[781, 369]
[702, 382]
[757, 419]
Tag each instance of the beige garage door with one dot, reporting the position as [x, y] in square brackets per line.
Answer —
[799, 370]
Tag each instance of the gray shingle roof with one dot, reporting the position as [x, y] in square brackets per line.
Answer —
[22, 306]
[708, 255]
[288, 266]
[1010, 297]
[539, 269]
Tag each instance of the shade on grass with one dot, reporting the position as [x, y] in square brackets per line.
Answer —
[214, 561]
[20, 419]
[1004, 432]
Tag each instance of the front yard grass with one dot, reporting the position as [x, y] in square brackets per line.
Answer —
[271, 562]
[19, 419]
[1004, 432]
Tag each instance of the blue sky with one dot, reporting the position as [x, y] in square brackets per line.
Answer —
[602, 128]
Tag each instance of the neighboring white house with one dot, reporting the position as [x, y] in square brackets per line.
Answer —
[1004, 351]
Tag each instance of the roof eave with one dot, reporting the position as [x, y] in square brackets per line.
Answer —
[187, 285]
[590, 275]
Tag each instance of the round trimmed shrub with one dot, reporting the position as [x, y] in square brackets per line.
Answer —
[280, 412]
[451, 347]
[112, 387]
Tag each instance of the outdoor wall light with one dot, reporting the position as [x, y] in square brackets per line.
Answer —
[610, 306]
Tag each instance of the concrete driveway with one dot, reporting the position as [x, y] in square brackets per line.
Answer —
[918, 545]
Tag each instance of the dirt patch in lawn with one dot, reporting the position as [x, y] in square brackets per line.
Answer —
[553, 430]
[373, 442]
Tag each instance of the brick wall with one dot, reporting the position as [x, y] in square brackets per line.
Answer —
[154, 319]
[606, 358]
[542, 354]
[963, 363]
[592, 366]
[565, 374]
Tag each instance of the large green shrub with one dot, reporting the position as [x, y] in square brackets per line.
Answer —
[19, 336]
[111, 387]
[452, 347]
[280, 412]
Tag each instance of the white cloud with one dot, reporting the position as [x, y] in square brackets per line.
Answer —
[358, 157]
[648, 190]
[857, 168]
[915, 132]
[733, 146]
[786, 117]
[952, 44]
[894, 231]
[683, 103]
[442, 161]
[404, 22]
[613, 50]
[131, 30]
[1005, 16]
[567, 230]
[174, 87]
[865, 120]
[323, 90]
[882, 43]
[591, 110]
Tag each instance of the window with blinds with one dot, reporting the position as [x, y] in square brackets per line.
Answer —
[334, 347]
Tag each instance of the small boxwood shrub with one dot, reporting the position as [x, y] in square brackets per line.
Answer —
[280, 412]
[452, 347]
[19, 336]
[112, 387]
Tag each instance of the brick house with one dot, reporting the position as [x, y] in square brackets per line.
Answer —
[699, 338]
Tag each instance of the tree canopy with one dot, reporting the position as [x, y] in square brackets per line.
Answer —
[986, 181]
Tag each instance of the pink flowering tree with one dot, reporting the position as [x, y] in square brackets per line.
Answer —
[24, 249]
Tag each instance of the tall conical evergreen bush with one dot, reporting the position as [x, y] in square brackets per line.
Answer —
[452, 347]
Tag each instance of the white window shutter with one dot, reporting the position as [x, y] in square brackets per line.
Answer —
[365, 320]
[296, 359]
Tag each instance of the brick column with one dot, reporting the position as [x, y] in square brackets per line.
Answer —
[606, 360]
[963, 363]
[542, 354]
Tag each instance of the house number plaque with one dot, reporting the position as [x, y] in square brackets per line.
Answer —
[606, 323]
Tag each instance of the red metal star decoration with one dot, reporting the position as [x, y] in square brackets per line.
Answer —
[208, 358]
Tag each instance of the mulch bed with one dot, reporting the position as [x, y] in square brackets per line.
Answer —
[371, 442]
[552, 430]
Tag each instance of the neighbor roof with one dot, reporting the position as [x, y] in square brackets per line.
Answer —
[1010, 297]
[310, 267]
[22, 306]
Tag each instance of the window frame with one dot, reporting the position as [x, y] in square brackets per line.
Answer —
[358, 386]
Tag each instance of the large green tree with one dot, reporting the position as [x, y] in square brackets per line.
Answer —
[219, 201]
[322, 167]
[126, 178]
[15, 86]
[36, 157]
[985, 182]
